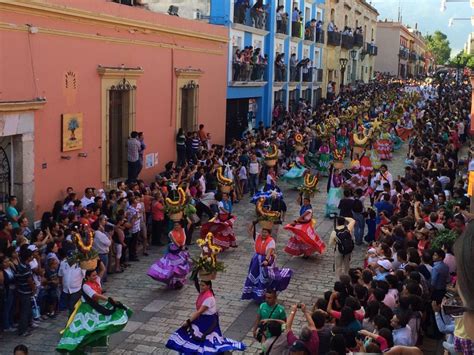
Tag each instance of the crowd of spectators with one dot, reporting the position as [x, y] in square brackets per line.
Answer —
[249, 64]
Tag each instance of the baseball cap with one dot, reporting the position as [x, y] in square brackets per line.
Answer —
[32, 247]
[387, 265]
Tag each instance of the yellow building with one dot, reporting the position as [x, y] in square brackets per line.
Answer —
[350, 43]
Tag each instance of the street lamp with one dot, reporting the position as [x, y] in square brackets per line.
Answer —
[443, 4]
[452, 19]
[343, 63]
[353, 54]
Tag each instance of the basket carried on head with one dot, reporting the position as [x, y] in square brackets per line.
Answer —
[90, 264]
[358, 150]
[270, 162]
[178, 216]
[338, 164]
[225, 188]
[299, 147]
[207, 276]
[266, 224]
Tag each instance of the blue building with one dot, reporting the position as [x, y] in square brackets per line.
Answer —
[279, 31]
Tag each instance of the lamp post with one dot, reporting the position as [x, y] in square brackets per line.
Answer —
[343, 63]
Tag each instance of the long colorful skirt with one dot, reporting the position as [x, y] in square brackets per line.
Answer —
[384, 149]
[332, 202]
[304, 241]
[173, 268]
[324, 162]
[404, 133]
[88, 326]
[396, 142]
[204, 336]
[223, 232]
[294, 176]
[261, 278]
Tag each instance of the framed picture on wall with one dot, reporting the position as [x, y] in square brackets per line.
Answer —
[72, 125]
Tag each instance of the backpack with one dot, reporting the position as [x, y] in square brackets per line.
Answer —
[344, 241]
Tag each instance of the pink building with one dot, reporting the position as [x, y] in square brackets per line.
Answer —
[78, 76]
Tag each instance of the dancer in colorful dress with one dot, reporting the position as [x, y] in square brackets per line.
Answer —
[263, 273]
[384, 146]
[295, 175]
[201, 333]
[94, 318]
[222, 226]
[173, 268]
[304, 241]
[334, 192]
[324, 159]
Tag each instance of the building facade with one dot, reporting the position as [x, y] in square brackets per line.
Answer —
[276, 31]
[469, 45]
[402, 51]
[351, 34]
[82, 75]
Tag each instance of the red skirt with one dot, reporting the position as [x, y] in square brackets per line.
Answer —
[222, 231]
[304, 241]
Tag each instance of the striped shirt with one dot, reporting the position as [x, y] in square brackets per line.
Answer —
[23, 276]
[133, 149]
[195, 143]
[134, 212]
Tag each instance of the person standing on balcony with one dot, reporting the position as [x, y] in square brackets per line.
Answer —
[237, 65]
[295, 22]
[331, 27]
[240, 7]
[293, 65]
[257, 14]
[279, 19]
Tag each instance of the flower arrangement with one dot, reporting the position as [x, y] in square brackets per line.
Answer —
[299, 145]
[266, 217]
[309, 186]
[84, 255]
[225, 183]
[339, 154]
[446, 236]
[207, 266]
[175, 203]
[272, 155]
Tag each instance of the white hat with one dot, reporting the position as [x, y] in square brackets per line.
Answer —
[387, 265]
[32, 247]
[372, 251]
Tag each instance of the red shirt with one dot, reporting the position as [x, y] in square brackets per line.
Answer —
[157, 211]
[5, 235]
[312, 345]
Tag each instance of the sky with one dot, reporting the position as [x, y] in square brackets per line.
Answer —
[427, 14]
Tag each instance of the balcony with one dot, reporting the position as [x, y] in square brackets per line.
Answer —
[282, 27]
[412, 57]
[280, 73]
[244, 74]
[347, 42]
[296, 29]
[403, 53]
[372, 49]
[310, 34]
[358, 40]
[320, 36]
[334, 38]
[318, 75]
[250, 20]
[307, 75]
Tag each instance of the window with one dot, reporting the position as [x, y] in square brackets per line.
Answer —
[257, 44]
[189, 102]
[345, 20]
[121, 101]
[316, 59]
[306, 53]
[372, 36]
[307, 14]
[333, 15]
[319, 15]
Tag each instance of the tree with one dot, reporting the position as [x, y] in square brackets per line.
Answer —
[462, 60]
[438, 44]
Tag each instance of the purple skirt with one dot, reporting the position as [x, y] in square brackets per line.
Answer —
[261, 278]
[173, 268]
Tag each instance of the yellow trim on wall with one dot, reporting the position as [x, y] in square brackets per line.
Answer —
[41, 30]
[35, 7]
[18, 106]
[110, 77]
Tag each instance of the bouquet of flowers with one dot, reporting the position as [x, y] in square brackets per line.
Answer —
[207, 266]
[265, 217]
[272, 155]
[84, 254]
[175, 203]
[309, 186]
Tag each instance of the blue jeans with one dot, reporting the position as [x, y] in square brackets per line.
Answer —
[253, 183]
[8, 309]
[105, 260]
[359, 226]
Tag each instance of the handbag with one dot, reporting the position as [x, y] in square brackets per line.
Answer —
[262, 327]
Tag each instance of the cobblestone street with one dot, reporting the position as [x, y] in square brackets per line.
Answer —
[158, 311]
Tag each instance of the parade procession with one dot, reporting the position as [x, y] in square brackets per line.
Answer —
[291, 177]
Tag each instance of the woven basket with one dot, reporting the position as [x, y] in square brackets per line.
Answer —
[299, 147]
[338, 164]
[176, 216]
[358, 150]
[271, 162]
[90, 264]
[225, 188]
[207, 276]
[266, 224]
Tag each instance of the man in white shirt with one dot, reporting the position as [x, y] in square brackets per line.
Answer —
[401, 330]
[254, 171]
[382, 177]
[71, 278]
[88, 197]
[102, 242]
